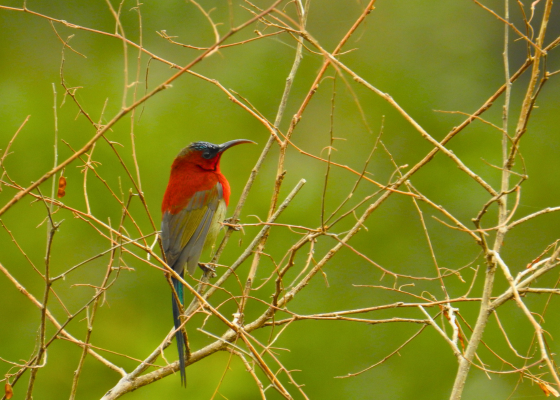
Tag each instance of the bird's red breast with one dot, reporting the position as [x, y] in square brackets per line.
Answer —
[191, 173]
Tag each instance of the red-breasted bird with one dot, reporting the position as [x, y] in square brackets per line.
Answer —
[194, 205]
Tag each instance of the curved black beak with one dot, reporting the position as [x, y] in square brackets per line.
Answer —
[224, 146]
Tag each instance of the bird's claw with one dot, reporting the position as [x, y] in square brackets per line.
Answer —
[209, 270]
[232, 223]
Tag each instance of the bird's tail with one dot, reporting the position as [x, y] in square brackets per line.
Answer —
[179, 335]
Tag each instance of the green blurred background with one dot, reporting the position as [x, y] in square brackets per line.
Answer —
[427, 55]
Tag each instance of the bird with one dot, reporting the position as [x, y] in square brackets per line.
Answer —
[193, 208]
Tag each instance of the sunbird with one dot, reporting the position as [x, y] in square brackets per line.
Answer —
[193, 208]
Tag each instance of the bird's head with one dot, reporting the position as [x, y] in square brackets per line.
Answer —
[206, 155]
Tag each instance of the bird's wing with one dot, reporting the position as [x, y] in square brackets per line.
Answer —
[184, 233]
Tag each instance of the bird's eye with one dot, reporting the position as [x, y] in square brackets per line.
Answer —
[207, 154]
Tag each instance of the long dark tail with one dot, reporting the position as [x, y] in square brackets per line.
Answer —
[179, 335]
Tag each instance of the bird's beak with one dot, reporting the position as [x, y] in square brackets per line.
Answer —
[231, 143]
